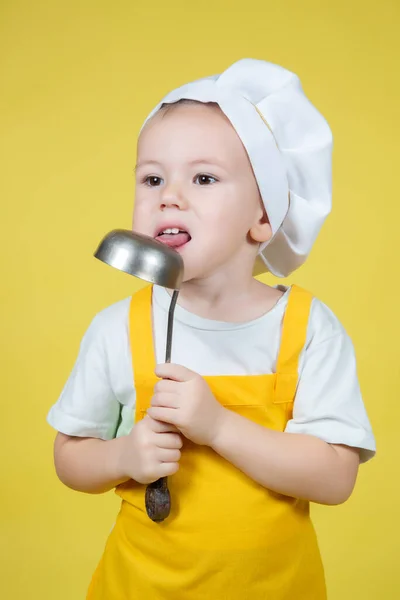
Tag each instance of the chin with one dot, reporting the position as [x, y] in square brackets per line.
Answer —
[197, 272]
[200, 262]
[191, 272]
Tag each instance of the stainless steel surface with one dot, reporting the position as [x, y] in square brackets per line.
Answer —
[143, 257]
[148, 259]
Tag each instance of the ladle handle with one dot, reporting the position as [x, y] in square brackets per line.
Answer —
[158, 498]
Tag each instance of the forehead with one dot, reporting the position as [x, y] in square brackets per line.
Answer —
[190, 130]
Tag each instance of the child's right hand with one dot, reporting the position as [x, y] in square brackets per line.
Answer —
[150, 451]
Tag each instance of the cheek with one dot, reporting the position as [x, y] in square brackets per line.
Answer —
[140, 216]
[231, 218]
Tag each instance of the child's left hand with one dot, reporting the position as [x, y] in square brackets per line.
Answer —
[183, 398]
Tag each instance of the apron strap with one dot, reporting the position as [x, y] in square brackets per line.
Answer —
[141, 334]
[294, 336]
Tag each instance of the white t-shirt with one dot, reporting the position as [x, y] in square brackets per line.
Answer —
[98, 399]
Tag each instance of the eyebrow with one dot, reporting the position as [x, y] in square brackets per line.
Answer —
[198, 161]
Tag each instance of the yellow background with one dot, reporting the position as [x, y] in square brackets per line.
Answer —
[77, 80]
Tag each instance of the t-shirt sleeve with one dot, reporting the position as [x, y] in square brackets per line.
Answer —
[328, 402]
[87, 406]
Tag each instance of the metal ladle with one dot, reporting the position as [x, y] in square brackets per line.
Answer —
[146, 258]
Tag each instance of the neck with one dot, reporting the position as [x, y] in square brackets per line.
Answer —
[229, 294]
[212, 297]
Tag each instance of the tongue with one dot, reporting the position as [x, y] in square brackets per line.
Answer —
[174, 239]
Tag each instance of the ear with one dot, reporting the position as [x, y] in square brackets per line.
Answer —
[261, 231]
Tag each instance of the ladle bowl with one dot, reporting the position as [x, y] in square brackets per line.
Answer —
[142, 256]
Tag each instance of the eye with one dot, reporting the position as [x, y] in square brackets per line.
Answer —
[204, 179]
[152, 181]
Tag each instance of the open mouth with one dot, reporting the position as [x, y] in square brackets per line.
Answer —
[173, 237]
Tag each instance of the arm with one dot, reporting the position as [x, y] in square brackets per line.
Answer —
[87, 412]
[318, 455]
[87, 464]
[150, 451]
[295, 465]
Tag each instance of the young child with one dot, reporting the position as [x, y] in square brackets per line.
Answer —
[260, 412]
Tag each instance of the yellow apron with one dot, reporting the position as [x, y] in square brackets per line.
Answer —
[227, 537]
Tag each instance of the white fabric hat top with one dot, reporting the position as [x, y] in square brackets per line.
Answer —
[289, 145]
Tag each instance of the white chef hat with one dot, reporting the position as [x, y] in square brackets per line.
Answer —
[289, 145]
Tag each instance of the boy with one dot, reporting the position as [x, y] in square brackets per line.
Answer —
[260, 412]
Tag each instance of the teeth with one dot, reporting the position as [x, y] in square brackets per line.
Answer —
[174, 230]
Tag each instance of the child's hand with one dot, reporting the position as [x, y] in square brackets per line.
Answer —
[150, 451]
[184, 399]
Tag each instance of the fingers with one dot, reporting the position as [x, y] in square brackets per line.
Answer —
[171, 441]
[169, 400]
[168, 456]
[173, 371]
[165, 385]
[166, 415]
[168, 469]
[159, 426]
[155, 451]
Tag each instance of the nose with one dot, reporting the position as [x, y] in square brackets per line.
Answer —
[171, 197]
